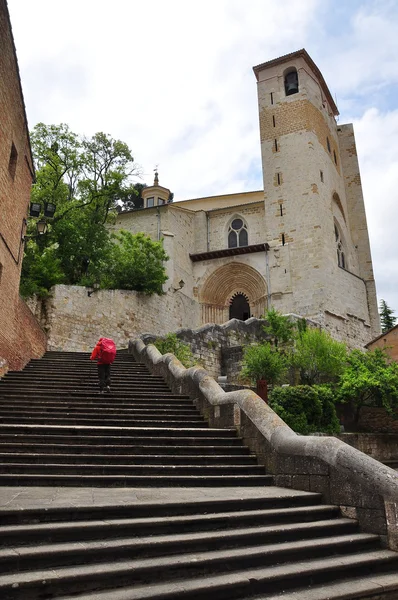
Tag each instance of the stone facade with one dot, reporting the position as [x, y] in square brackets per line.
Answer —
[76, 321]
[20, 335]
[307, 249]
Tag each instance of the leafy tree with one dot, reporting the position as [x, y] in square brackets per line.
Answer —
[279, 327]
[370, 379]
[40, 270]
[386, 316]
[87, 179]
[262, 361]
[318, 356]
[182, 351]
[135, 262]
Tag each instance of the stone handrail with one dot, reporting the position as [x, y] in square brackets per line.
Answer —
[364, 488]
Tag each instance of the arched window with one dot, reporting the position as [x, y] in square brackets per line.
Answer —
[237, 234]
[341, 254]
[291, 82]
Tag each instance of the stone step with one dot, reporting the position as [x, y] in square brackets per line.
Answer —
[81, 380]
[134, 432]
[94, 396]
[99, 413]
[93, 393]
[29, 468]
[23, 557]
[32, 534]
[133, 481]
[103, 405]
[82, 386]
[278, 505]
[147, 442]
[132, 449]
[259, 583]
[264, 568]
[91, 421]
[130, 459]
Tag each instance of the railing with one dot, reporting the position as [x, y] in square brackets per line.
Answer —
[365, 489]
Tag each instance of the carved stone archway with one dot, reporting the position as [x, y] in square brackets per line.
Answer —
[224, 283]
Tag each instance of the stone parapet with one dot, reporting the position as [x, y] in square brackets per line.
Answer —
[364, 489]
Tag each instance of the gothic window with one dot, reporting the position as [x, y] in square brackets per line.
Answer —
[341, 255]
[291, 82]
[237, 234]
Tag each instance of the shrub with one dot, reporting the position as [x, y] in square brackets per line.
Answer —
[305, 408]
[172, 344]
[281, 329]
[318, 357]
[262, 361]
[370, 379]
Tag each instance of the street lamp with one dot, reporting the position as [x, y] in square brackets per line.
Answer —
[35, 208]
[49, 209]
[41, 227]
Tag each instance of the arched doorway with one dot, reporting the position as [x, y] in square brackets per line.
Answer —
[226, 282]
[239, 308]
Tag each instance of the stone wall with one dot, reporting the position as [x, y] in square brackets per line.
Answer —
[382, 447]
[20, 335]
[75, 321]
[218, 348]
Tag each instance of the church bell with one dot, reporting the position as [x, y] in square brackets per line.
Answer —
[291, 83]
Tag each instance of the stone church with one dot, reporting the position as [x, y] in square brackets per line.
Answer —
[299, 245]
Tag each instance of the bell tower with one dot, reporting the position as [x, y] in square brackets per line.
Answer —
[315, 222]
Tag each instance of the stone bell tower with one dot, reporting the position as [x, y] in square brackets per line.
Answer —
[315, 222]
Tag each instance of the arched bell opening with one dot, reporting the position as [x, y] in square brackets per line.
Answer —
[239, 307]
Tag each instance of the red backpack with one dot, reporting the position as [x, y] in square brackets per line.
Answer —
[108, 351]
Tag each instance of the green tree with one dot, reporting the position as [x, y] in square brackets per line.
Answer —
[135, 262]
[318, 357]
[279, 327]
[87, 179]
[386, 316]
[263, 361]
[370, 379]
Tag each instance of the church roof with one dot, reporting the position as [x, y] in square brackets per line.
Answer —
[302, 54]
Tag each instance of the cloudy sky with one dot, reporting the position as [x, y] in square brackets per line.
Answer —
[174, 80]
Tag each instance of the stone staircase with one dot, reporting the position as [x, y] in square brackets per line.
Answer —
[203, 519]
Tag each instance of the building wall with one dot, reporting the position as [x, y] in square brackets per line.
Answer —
[387, 342]
[305, 197]
[20, 336]
[76, 321]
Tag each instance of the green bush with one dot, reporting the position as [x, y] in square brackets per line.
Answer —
[370, 379]
[262, 361]
[318, 357]
[172, 344]
[305, 408]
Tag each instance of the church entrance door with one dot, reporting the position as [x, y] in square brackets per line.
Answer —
[239, 308]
